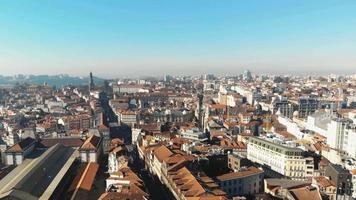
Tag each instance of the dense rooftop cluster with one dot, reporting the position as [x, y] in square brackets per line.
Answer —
[181, 137]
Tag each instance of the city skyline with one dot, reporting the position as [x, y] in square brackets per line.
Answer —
[143, 38]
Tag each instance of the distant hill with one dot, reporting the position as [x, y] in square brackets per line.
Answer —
[54, 80]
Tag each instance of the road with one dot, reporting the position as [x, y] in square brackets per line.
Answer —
[154, 187]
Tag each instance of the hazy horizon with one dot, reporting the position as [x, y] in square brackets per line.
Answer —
[144, 38]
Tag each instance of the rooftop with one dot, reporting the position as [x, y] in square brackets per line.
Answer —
[240, 174]
[39, 177]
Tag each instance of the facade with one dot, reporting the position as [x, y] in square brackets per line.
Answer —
[105, 134]
[127, 117]
[246, 181]
[82, 121]
[340, 132]
[194, 134]
[16, 153]
[236, 162]
[283, 106]
[307, 106]
[91, 149]
[288, 161]
[342, 179]
[326, 187]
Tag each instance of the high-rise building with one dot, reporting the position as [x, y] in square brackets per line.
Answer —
[91, 84]
[246, 76]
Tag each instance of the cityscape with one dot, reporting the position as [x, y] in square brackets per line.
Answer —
[178, 100]
[181, 137]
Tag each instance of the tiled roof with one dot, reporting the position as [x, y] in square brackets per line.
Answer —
[102, 127]
[324, 182]
[162, 153]
[69, 142]
[234, 175]
[85, 177]
[183, 179]
[21, 146]
[91, 143]
[308, 192]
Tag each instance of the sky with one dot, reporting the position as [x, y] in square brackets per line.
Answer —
[136, 38]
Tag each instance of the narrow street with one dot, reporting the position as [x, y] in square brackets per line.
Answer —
[154, 187]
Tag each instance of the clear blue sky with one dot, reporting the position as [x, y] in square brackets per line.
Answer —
[115, 38]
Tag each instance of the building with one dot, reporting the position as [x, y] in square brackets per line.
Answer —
[127, 117]
[282, 106]
[130, 89]
[83, 182]
[288, 161]
[16, 153]
[291, 190]
[194, 134]
[307, 106]
[236, 162]
[117, 156]
[326, 187]
[246, 181]
[342, 179]
[42, 177]
[80, 121]
[91, 149]
[246, 76]
[105, 134]
[339, 132]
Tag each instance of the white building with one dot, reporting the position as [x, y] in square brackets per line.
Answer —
[288, 161]
[194, 134]
[340, 132]
[91, 149]
[16, 153]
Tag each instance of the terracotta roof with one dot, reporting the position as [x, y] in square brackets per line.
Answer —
[234, 175]
[122, 195]
[85, 177]
[91, 143]
[207, 198]
[184, 179]
[21, 146]
[218, 106]
[286, 135]
[324, 182]
[117, 142]
[102, 127]
[162, 153]
[308, 192]
[70, 142]
[353, 172]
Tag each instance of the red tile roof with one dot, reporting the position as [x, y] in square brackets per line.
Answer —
[21, 146]
[91, 143]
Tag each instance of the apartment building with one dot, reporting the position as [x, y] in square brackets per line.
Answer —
[246, 181]
[194, 134]
[307, 106]
[288, 161]
[340, 132]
